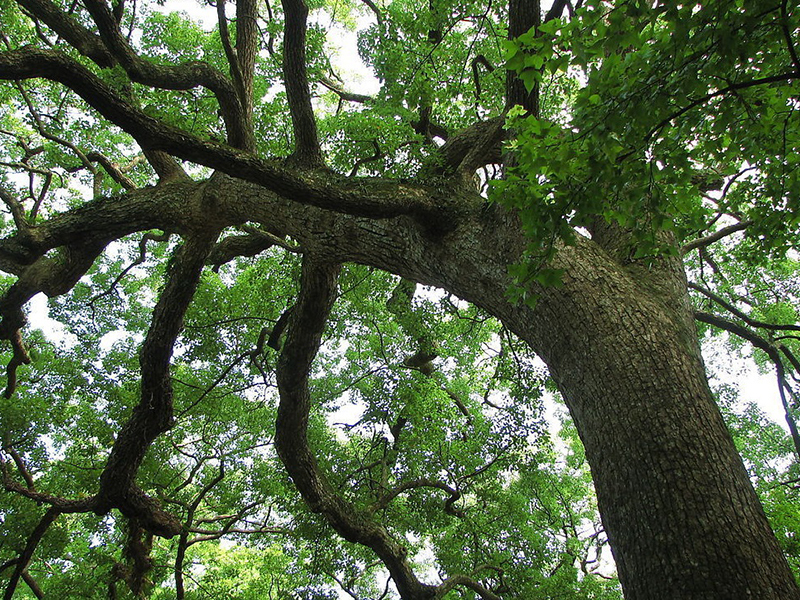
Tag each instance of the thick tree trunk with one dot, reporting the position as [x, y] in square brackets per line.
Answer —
[682, 517]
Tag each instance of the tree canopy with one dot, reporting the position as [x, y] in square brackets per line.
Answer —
[439, 340]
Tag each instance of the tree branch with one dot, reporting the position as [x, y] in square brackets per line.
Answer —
[716, 236]
[24, 559]
[742, 85]
[327, 190]
[344, 94]
[454, 495]
[451, 582]
[788, 36]
[738, 313]
[154, 413]
[182, 77]
[75, 34]
[523, 15]
[317, 293]
[307, 150]
[770, 350]
[112, 169]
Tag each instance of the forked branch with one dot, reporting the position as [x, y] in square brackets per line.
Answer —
[304, 334]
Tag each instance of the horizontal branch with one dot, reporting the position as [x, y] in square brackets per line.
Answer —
[453, 493]
[325, 189]
[344, 94]
[742, 85]
[738, 313]
[716, 236]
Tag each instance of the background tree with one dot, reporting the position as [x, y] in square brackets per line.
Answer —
[235, 246]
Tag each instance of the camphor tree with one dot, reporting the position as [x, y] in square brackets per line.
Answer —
[234, 241]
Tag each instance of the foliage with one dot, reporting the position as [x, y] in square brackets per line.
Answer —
[430, 417]
[677, 101]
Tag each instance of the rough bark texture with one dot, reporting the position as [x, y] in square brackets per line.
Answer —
[618, 336]
[669, 481]
[683, 519]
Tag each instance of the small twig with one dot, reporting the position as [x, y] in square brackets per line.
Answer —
[378, 155]
[162, 237]
[788, 35]
[344, 94]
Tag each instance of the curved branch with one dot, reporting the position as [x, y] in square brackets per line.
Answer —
[63, 505]
[317, 293]
[454, 495]
[373, 198]
[770, 350]
[344, 94]
[112, 169]
[738, 313]
[75, 34]
[455, 580]
[374, 8]
[183, 542]
[742, 85]
[471, 148]
[149, 236]
[24, 559]
[556, 10]
[716, 236]
[154, 413]
[182, 77]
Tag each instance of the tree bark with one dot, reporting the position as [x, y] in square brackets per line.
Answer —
[681, 515]
[676, 501]
[683, 519]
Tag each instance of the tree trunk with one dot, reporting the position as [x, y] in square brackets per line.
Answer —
[682, 517]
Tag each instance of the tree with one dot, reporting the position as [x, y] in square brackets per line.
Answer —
[624, 146]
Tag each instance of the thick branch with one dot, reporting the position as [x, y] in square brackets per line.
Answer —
[154, 413]
[33, 540]
[456, 580]
[307, 150]
[556, 10]
[317, 293]
[75, 34]
[247, 43]
[344, 94]
[374, 198]
[478, 145]
[181, 77]
[166, 167]
[523, 15]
